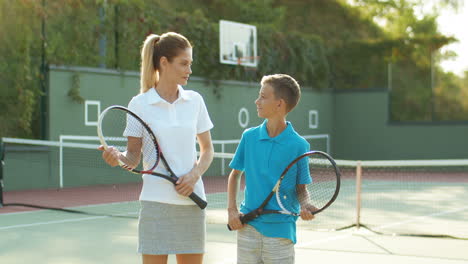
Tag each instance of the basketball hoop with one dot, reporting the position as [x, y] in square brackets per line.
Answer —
[237, 43]
[249, 61]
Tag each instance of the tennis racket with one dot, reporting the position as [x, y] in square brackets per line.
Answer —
[116, 123]
[311, 181]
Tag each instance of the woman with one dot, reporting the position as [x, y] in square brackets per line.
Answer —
[169, 222]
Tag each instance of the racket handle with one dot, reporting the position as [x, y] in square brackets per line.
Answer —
[199, 201]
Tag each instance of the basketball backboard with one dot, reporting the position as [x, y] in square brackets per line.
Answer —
[237, 43]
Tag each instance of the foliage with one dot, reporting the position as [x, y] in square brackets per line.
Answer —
[19, 69]
[325, 44]
[199, 23]
[450, 101]
[420, 89]
[74, 91]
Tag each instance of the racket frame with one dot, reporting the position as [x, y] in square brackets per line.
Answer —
[260, 211]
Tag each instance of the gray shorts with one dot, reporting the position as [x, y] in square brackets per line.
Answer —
[165, 229]
[255, 248]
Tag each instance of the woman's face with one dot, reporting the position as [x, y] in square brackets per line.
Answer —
[180, 68]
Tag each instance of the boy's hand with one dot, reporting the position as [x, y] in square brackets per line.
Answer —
[234, 219]
[306, 212]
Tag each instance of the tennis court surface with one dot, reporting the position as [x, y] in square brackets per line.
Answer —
[58, 237]
[406, 211]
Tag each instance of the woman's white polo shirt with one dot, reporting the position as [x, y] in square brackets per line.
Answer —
[175, 126]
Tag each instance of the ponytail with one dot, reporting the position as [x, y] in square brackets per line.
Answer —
[148, 75]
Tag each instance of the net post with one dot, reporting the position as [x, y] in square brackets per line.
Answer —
[358, 193]
[61, 162]
[222, 160]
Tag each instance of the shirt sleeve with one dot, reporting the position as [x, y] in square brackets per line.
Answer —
[238, 162]
[204, 122]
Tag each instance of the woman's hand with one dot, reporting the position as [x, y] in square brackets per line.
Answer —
[110, 155]
[186, 183]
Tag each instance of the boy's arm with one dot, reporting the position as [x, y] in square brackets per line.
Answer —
[306, 207]
[233, 211]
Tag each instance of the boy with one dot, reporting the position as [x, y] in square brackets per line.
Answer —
[263, 153]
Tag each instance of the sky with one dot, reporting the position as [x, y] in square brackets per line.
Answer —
[456, 24]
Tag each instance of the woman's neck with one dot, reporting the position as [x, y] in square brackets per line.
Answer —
[167, 91]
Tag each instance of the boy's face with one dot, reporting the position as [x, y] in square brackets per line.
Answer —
[267, 104]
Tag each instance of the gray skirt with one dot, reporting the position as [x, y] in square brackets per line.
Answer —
[165, 229]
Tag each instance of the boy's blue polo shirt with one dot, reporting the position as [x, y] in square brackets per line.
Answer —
[263, 159]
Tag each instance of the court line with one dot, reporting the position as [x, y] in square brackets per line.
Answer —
[53, 222]
[298, 245]
[63, 221]
[321, 241]
[413, 219]
[228, 261]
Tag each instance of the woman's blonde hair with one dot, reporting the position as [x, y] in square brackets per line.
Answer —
[154, 48]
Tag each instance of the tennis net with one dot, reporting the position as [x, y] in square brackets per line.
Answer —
[408, 197]
[411, 197]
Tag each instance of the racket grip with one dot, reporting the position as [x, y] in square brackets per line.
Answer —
[199, 201]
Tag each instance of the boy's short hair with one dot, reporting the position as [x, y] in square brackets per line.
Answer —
[285, 87]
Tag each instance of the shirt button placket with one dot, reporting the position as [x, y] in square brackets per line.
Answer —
[270, 152]
[173, 114]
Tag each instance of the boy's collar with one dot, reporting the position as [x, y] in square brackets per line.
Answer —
[278, 139]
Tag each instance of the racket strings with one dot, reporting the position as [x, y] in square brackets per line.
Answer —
[324, 181]
[310, 183]
[117, 126]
